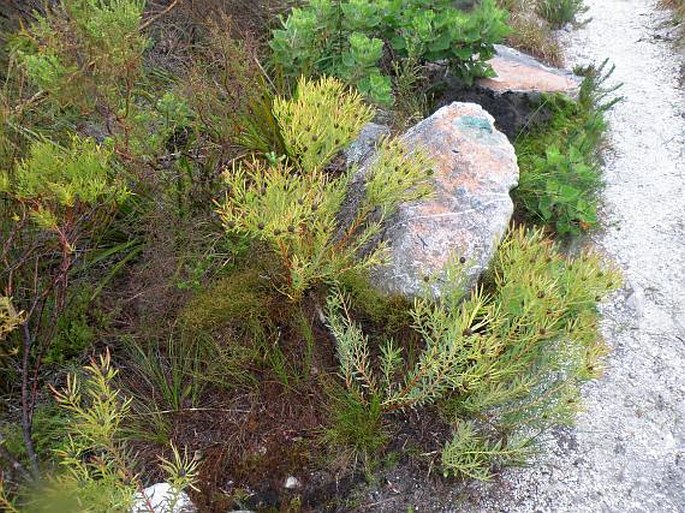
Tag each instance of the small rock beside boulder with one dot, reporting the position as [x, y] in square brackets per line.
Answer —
[292, 483]
[162, 498]
[475, 168]
[513, 96]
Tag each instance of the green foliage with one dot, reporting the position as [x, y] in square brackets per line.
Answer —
[377, 308]
[295, 209]
[504, 363]
[239, 296]
[54, 182]
[109, 29]
[229, 92]
[356, 430]
[96, 473]
[171, 372]
[206, 349]
[349, 39]
[560, 12]
[320, 121]
[202, 317]
[84, 59]
[560, 162]
[75, 329]
[84, 51]
[470, 454]
[49, 425]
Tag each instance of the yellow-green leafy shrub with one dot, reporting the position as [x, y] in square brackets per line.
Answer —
[504, 362]
[97, 471]
[323, 118]
[295, 207]
[55, 183]
[59, 200]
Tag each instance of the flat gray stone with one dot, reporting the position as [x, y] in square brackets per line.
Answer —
[513, 96]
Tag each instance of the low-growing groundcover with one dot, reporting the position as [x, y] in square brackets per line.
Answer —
[349, 39]
[181, 299]
[560, 163]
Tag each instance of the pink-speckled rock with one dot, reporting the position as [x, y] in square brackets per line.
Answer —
[518, 72]
[514, 96]
[475, 168]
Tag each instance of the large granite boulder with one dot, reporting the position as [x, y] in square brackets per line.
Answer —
[475, 168]
[513, 97]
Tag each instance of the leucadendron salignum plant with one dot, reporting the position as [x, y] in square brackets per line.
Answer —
[503, 363]
[294, 206]
[97, 468]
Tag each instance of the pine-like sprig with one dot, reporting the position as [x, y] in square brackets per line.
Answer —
[55, 179]
[295, 207]
[10, 319]
[504, 363]
[324, 117]
[96, 472]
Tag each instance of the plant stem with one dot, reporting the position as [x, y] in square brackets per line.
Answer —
[27, 403]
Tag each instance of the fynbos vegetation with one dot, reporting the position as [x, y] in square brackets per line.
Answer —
[184, 298]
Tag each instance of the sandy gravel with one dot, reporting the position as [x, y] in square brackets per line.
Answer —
[627, 452]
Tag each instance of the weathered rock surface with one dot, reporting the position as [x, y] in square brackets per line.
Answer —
[365, 145]
[292, 483]
[163, 498]
[518, 72]
[475, 168]
[513, 96]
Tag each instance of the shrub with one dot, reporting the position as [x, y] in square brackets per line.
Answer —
[294, 208]
[316, 125]
[104, 34]
[228, 91]
[560, 12]
[59, 199]
[242, 295]
[97, 469]
[348, 40]
[560, 162]
[49, 425]
[84, 59]
[58, 185]
[503, 363]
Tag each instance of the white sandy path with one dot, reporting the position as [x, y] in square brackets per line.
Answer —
[627, 452]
